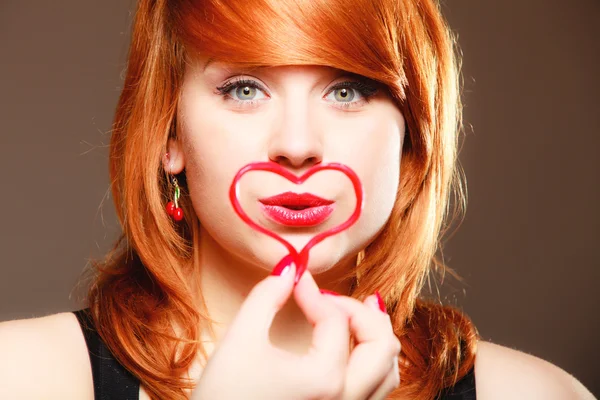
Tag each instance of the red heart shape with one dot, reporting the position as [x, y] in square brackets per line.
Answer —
[300, 259]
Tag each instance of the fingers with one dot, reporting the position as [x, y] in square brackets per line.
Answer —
[376, 352]
[262, 303]
[367, 322]
[331, 334]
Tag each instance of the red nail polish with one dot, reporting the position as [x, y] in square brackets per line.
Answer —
[330, 292]
[380, 302]
[283, 266]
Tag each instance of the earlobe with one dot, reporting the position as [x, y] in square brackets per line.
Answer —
[174, 159]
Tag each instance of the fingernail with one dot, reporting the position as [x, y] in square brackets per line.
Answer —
[329, 292]
[299, 274]
[283, 267]
[380, 302]
[285, 270]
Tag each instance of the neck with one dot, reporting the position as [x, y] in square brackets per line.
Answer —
[225, 281]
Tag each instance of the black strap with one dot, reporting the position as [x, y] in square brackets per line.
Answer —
[111, 380]
[464, 389]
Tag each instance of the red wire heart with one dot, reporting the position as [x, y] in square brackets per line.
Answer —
[300, 259]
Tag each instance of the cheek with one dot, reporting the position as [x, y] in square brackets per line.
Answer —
[215, 149]
[379, 166]
[376, 157]
[213, 154]
[209, 162]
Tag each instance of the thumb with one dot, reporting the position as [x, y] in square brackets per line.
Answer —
[266, 298]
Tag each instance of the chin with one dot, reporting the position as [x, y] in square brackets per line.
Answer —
[326, 255]
[321, 258]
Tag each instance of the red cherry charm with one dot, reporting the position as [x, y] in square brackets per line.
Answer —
[178, 214]
[170, 208]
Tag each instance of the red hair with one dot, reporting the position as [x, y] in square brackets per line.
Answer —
[141, 299]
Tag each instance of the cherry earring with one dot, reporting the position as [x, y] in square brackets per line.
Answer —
[173, 208]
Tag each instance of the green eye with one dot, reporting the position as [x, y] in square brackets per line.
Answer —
[343, 94]
[245, 92]
[352, 93]
[242, 90]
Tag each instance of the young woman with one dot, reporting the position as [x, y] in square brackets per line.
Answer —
[188, 304]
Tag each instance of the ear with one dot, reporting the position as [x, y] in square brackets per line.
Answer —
[174, 160]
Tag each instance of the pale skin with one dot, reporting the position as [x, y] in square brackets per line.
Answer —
[296, 121]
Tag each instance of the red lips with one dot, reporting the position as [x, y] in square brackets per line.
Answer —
[296, 201]
[298, 210]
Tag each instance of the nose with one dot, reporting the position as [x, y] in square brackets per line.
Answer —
[295, 141]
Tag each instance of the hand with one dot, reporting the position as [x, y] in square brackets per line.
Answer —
[372, 371]
[245, 365]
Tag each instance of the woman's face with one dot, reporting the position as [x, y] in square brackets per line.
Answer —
[297, 117]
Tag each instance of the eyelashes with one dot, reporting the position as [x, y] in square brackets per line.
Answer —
[361, 88]
[237, 84]
[365, 89]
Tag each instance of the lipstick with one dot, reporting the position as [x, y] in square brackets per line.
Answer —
[297, 209]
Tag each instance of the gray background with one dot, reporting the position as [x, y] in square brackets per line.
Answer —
[527, 247]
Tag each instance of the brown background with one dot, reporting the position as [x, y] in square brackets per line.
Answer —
[527, 247]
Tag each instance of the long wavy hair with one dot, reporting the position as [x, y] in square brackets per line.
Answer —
[141, 300]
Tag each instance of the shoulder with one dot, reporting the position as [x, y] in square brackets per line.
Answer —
[44, 357]
[504, 373]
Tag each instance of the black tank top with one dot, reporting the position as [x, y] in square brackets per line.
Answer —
[113, 382]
